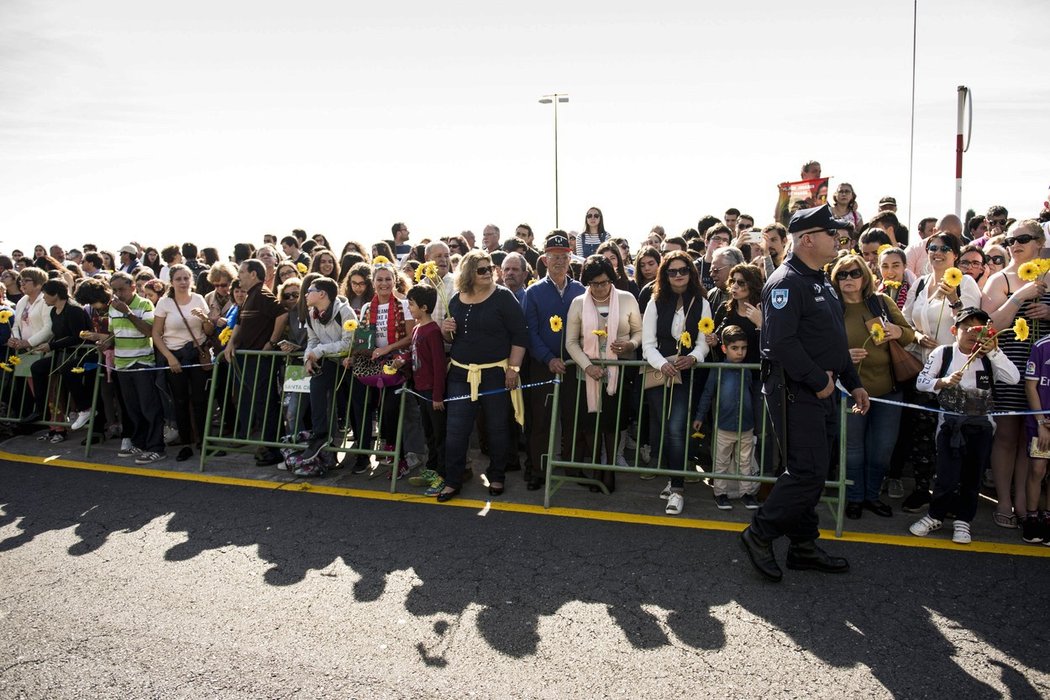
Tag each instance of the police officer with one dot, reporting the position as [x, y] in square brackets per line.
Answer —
[804, 351]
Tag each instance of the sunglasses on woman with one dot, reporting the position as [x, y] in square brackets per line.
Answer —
[678, 272]
[483, 270]
[934, 248]
[853, 274]
[997, 259]
[1023, 239]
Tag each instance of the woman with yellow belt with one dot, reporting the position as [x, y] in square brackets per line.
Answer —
[487, 330]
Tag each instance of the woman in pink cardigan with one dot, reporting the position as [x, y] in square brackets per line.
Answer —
[604, 324]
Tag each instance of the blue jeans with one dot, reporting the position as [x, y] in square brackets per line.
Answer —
[869, 444]
[460, 416]
[669, 416]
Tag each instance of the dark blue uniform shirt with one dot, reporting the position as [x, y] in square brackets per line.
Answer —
[803, 331]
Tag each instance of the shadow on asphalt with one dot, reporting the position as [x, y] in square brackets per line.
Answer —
[658, 584]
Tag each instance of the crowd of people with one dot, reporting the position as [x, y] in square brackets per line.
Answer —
[452, 317]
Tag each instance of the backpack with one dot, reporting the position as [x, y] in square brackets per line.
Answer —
[972, 402]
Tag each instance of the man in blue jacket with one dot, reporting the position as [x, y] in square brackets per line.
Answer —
[547, 298]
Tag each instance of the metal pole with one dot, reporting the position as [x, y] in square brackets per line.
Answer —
[911, 148]
[556, 208]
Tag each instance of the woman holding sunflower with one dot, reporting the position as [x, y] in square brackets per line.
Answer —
[872, 320]
[1017, 291]
[671, 321]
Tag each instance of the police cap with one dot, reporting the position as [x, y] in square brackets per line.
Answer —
[817, 218]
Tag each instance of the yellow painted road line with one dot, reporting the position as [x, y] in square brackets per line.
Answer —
[490, 506]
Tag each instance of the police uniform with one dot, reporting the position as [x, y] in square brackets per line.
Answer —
[803, 338]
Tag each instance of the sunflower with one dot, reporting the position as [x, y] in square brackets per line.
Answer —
[1044, 265]
[686, 340]
[302, 268]
[389, 369]
[884, 247]
[891, 284]
[430, 269]
[6, 315]
[350, 326]
[953, 276]
[380, 260]
[77, 370]
[697, 435]
[1020, 329]
[225, 334]
[706, 326]
[14, 360]
[419, 274]
[600, 333]
[878, 333]
[1029, 271]
[556, 324]
[6, 367]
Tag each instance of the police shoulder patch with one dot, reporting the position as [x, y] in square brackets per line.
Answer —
[779, 298]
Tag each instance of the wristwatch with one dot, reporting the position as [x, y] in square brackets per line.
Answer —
[1044, 421]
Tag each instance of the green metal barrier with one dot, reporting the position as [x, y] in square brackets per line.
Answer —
[235, 422]
[586, 432]
[17, 398]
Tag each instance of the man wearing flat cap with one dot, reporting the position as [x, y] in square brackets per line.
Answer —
[804, 352]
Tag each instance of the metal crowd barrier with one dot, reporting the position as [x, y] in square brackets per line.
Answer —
[566, 468]
[239, 420]
[17, 390]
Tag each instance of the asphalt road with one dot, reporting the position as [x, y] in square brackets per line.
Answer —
[126, 586]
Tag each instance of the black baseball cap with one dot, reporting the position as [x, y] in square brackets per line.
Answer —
[971, 312]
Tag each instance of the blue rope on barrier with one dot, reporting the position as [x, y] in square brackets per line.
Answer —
[489, 392]
[946, 412]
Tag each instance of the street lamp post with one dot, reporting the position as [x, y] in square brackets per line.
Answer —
[546, 100]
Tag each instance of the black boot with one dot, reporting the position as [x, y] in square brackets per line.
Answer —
[760, 552]
[807, 556]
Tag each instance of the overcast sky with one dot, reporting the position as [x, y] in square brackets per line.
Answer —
[219, 121]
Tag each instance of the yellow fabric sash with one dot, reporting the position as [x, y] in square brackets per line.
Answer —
[474, 380]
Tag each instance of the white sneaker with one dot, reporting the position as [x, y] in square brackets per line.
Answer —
[925, 525]
[82, 419]
[666, 493]
[961, 535]
[674, 504]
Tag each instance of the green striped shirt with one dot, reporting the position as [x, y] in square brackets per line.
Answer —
[129, 345]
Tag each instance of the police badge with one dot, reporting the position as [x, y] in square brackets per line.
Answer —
[779, 298]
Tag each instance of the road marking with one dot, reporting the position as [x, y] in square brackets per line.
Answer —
[493, 506]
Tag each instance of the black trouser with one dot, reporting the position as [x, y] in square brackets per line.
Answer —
[434, 431]
[144, 411]
[460, 423]
[74, 383]
[962, 451]
[188, 392]
[809, 427]
[322, 386]
[539, 414]
[259, 397]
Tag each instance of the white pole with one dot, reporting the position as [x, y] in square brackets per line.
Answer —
[963, 92]
[911, 149]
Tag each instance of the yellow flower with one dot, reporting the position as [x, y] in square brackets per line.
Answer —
[380, 260]
[895, 284]
[953, 276]
[878, 333]
[706, 326]
[77, 370]
[686, 340]
[389, 369]
[1044, 265]
[430, 270]
[225, 334]
[302, 268]
[600, 333]
[884, 247]
[350, 326]
[556, 324]
[1029, 271]
[6, 367]
[5, 316]
[15, 360]
[697, 435]
[1020, 329]
[419, 274]
[531, 282]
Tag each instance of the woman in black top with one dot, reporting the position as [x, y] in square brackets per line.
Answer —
[743, 308]
[487, 330]
[68, 321]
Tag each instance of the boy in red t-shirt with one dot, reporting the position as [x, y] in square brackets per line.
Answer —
[429, 366]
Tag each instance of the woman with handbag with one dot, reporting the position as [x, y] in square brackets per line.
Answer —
[180, 329]
[388, 320]
[873, 322]
[679, 302]
[604, 324]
